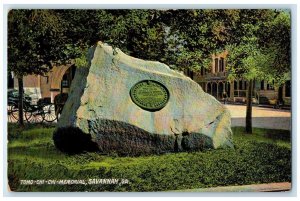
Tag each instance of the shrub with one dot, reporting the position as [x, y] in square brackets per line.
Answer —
[255, 159]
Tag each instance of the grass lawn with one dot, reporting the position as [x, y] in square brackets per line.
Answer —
[262, 157]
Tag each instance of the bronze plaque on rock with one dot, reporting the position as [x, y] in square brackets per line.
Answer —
[149, 95]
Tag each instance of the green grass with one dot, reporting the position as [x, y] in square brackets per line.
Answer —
[262, 157]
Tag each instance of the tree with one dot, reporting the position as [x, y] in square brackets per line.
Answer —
[31, 44]
[255, 55]
[277, 41]
[246, 62]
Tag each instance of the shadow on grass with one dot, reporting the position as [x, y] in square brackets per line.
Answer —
[73, 141]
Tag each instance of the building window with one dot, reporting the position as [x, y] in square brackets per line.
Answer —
[288, 88]
[240, 85]
[216, 65]
[65, 81]
[202, 71]
[221, 64]
[208, 88]
[227, 88]
[262, 85]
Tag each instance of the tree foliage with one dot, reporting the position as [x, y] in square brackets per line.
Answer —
[31, 44]
[258, 40]
[277, 41]
[263, 48]
[179, 38]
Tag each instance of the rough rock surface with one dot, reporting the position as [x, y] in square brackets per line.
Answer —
[99, 104]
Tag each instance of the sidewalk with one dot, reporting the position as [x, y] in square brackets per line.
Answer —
[271, 187]
[261, 117]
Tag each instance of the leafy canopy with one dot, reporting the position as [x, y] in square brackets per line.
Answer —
[258, 41]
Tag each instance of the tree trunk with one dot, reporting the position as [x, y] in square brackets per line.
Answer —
[280, 94]
[20, 101]
[249, 108]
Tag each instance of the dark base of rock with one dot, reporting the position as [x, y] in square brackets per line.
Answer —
[196, 141]
[128, 140]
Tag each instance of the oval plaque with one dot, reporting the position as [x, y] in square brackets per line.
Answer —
[149, 95]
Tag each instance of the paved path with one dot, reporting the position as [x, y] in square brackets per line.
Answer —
[261, 117]
[271, 187]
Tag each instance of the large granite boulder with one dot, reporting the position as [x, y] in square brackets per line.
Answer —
[100, 104]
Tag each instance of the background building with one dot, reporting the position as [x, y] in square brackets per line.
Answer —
[214, 81]
[57, 81]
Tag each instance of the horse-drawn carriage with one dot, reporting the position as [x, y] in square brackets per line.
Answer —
[41, 111]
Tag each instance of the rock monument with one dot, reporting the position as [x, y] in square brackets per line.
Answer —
[133, 107]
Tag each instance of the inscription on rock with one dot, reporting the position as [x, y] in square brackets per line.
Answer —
[149, 95]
